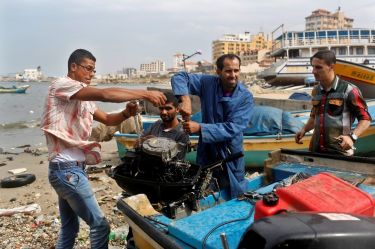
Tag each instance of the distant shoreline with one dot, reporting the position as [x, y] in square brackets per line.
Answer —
[132, 81]
[164, 81]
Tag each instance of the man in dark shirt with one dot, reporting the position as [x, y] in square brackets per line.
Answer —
[169, 126]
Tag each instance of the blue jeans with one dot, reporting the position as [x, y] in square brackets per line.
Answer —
[76, 199]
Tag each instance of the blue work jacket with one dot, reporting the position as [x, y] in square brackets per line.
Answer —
[223, 121]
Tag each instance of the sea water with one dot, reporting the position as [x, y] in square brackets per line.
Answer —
[20, 114]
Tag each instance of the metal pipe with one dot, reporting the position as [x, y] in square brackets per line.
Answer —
[185, 57]
[224, 241]
[136, 119]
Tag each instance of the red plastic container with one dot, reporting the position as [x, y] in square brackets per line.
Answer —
[321, 193]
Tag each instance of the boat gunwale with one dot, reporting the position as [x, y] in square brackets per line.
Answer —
[149, 230]
[329, 156]
[364, 166]
[355, 64]
[133, 135]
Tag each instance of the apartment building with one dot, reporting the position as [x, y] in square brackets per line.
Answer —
[260, 41]
[130, 72]
[239, 43]
[321, 19]
[253, 56]
[153, 67]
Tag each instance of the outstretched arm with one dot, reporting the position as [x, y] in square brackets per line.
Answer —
[116, 118]
[184, 84]
[185, 107]
[118, 95]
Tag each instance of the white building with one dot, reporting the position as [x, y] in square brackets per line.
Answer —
[32, 74]
[157, 66]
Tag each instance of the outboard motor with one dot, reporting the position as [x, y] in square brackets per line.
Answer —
[164, 148]
[155, 170]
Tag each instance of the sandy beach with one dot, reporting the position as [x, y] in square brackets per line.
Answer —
[40, 229]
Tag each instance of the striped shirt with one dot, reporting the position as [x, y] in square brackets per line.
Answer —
[67, 122]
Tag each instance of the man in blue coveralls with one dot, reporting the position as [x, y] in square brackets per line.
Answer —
[226, 107]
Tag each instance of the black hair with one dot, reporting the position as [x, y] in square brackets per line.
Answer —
[78, 56]
[220, 60]
[327, 56]
[171, 99]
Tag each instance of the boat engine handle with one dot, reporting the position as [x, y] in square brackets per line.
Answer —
[220, 163]
[233, 157]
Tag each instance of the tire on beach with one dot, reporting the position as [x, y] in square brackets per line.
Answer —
[17, 180]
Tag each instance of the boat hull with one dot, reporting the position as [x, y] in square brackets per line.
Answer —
[12, 90]
[295, 71]
[256, 149]
[360, 75]
[20, 89]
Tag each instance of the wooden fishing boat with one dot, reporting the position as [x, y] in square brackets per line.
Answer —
[256, 148]
[14, 89]
[361, 75]
[293, 204]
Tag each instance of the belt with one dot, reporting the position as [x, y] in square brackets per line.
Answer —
[66, 165]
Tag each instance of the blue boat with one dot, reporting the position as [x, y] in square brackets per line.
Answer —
[14, 89]
[302, 200]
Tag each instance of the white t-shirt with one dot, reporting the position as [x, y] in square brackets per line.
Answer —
[70, 154]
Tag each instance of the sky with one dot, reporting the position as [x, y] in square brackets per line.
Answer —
[126, 33]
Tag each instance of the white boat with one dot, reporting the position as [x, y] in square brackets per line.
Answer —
[293, 49]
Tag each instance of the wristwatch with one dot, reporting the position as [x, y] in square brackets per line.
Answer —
[353, 136]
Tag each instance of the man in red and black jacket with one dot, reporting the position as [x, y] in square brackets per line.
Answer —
[336, 104]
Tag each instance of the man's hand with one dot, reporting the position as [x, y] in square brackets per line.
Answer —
[191, 127]
[131, 109]
[185, 107]
[157, 98]
[345, 142]
[299, 135]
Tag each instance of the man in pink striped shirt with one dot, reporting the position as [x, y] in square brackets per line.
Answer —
[67, 120]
